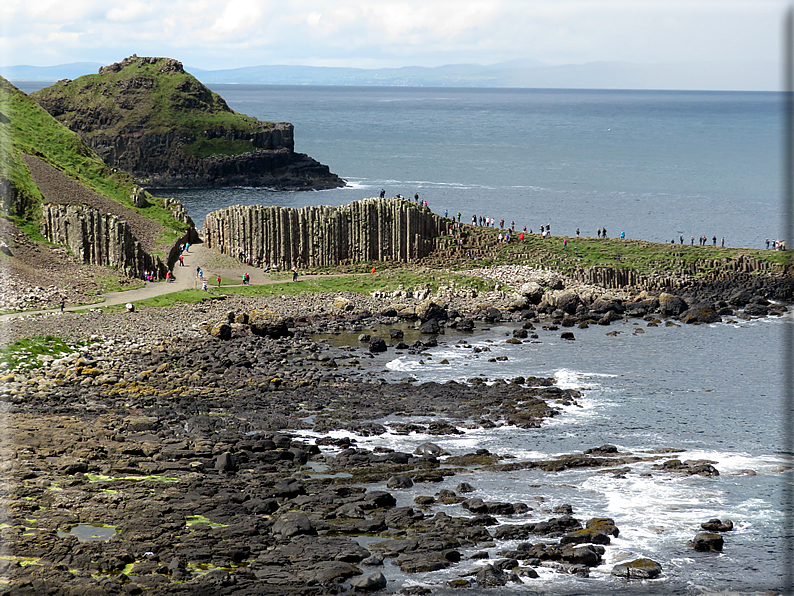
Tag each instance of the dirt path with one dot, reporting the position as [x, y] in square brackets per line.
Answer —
[212, 264]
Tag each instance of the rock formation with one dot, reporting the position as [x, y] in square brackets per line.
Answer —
[150, 118]
[322, 236]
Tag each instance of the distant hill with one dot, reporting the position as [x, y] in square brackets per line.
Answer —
[152, 119]
[514, 74]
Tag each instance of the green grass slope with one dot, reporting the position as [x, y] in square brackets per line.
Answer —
[26, 128]
[150, 95]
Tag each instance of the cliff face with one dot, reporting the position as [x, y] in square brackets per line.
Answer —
[363, 231]
[150, 118]
[99, 239]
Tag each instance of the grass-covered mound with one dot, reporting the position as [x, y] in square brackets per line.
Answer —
[153, 96]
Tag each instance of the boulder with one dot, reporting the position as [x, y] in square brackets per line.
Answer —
[399, 482]
[369, 583]
[638, 569]
[532, 291]
[428, 310]
[700, 313]
[293, 523]
[269, 324]
[716, 525]
[326, 572]
[221, 331]
[584, 555]
[671, 306]
[465, 325]
[430, 450]
[225, 462]
[376, 344]
[707, 542]
[430, 327]
[567, 302]
[756, 310]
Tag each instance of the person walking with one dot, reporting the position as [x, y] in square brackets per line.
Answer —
[294, 274]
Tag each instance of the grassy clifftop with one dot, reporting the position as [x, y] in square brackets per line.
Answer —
[151, 95]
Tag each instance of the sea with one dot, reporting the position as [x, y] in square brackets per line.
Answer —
[656, 165]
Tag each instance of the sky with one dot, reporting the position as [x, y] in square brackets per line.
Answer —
[735, 37]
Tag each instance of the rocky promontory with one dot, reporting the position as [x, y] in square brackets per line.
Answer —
[150, 118]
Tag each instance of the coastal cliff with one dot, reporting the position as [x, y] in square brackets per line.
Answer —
[322, 236]
[150, 118]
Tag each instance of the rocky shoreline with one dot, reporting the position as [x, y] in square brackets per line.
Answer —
[161, 457]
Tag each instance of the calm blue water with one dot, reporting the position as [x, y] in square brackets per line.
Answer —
[656, 164]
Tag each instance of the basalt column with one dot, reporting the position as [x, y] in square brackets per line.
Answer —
[363, 231]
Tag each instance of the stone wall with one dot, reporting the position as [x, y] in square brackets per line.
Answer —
[363, 231]
[98, 238]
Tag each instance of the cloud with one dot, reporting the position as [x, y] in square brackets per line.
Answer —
[390, 33]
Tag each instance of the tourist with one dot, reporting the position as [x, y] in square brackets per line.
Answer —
[294, 274]
[382, 193]
[723, 242]
[416, 198]
[604, 232]
[458, 216]
[512, 226]
[692, 241]
[577, 232]
[63, 304]
[204, 285]
[187, 247]
[767, 242]
[714, 240]
[181, 260]
[219, 281]
[682, 239]
[623, 236]
[599, 232]
[521, 237]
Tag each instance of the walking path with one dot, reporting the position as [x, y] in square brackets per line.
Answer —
[211, 262]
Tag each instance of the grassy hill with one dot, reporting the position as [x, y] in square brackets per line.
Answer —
[154, 95]
[28, 129]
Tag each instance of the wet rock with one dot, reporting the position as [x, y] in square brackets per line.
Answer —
[399, 482]
[707, 542]
[589, 555]
[464, 487]
[430, 327]
[377, 344]
[492, 577]
[430, 450]
[716, 525]
[369, 583]
[638, 569]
